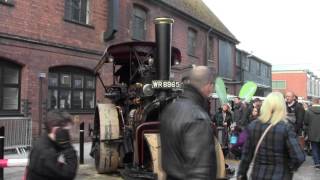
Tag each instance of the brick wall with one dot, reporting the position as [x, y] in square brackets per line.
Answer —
[36, 61]
[180, 31]
[296, 82]
[34, 34]
[44, 20]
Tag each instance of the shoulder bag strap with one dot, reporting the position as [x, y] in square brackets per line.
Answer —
[259, 142]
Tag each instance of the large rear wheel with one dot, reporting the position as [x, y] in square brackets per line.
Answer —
[106, 130]
[106, 158]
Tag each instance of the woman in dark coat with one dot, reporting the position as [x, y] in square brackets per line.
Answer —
[223, 120]
[254, 114]
[223, 117]
[279, 154]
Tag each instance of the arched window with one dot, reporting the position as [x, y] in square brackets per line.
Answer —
[71, 88]
[9, 87]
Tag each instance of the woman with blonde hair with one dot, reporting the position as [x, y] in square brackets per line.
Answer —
[272, 145]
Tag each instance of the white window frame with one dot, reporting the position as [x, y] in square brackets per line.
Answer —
[285, 84]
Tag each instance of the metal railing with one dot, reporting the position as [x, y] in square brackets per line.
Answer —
[18, 133]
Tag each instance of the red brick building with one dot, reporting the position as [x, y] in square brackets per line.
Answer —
[49, 48]
[302, 82]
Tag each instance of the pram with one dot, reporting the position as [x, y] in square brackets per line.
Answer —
[222, 134]
[238, 136]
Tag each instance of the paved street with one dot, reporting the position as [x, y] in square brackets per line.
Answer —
[306, 171]
[87, 171]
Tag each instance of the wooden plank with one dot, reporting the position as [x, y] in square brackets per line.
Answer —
[153, 140]
[221, 169]
[155, 149]
[109, 122]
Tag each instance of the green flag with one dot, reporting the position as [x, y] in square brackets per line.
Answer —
[221, 90]
[248, 90]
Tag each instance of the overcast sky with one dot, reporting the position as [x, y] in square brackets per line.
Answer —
[278, 31]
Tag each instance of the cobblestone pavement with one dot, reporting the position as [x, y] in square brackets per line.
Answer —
[87, 171]
[306, 171]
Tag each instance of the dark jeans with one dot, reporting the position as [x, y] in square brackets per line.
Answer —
[171, 178]
[316, 152]
[236, 151]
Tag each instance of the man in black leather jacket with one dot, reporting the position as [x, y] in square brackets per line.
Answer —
[187, 143]
[53, 157]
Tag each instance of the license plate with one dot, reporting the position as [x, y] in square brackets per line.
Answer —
[164, 84]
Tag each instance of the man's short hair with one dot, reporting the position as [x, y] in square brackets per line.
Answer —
[237, 97]
[315, 101]
[185, 79]
[290, 92]
[57, 118]
[200, 76]
[256, 100]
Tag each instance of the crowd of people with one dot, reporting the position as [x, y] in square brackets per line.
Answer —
[267, 134]
[232, 121]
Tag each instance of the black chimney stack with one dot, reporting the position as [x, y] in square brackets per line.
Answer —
[163, 43]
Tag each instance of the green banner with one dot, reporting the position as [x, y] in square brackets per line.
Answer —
[247, 91]
[220, 89]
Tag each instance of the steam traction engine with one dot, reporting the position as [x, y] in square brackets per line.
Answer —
[126, 129]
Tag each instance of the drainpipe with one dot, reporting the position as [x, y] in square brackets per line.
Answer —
[113, 20]
[41, 78]
[241, 70]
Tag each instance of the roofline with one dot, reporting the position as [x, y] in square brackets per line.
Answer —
[197, 21]
[296, 70]
[291, 71]
[254, 56]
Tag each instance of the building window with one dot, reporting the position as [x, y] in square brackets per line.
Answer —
[264, 70]
[139, 23]
[210, 50]
[238, 58]
[269, 71]
[71, 89]
[255, 67]
[9, 87]
[6, 1]
[312, 86]
[245, 63]
[77, 11]
[225, 59]
[308, 85]
[192, 41]
[279, 85]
